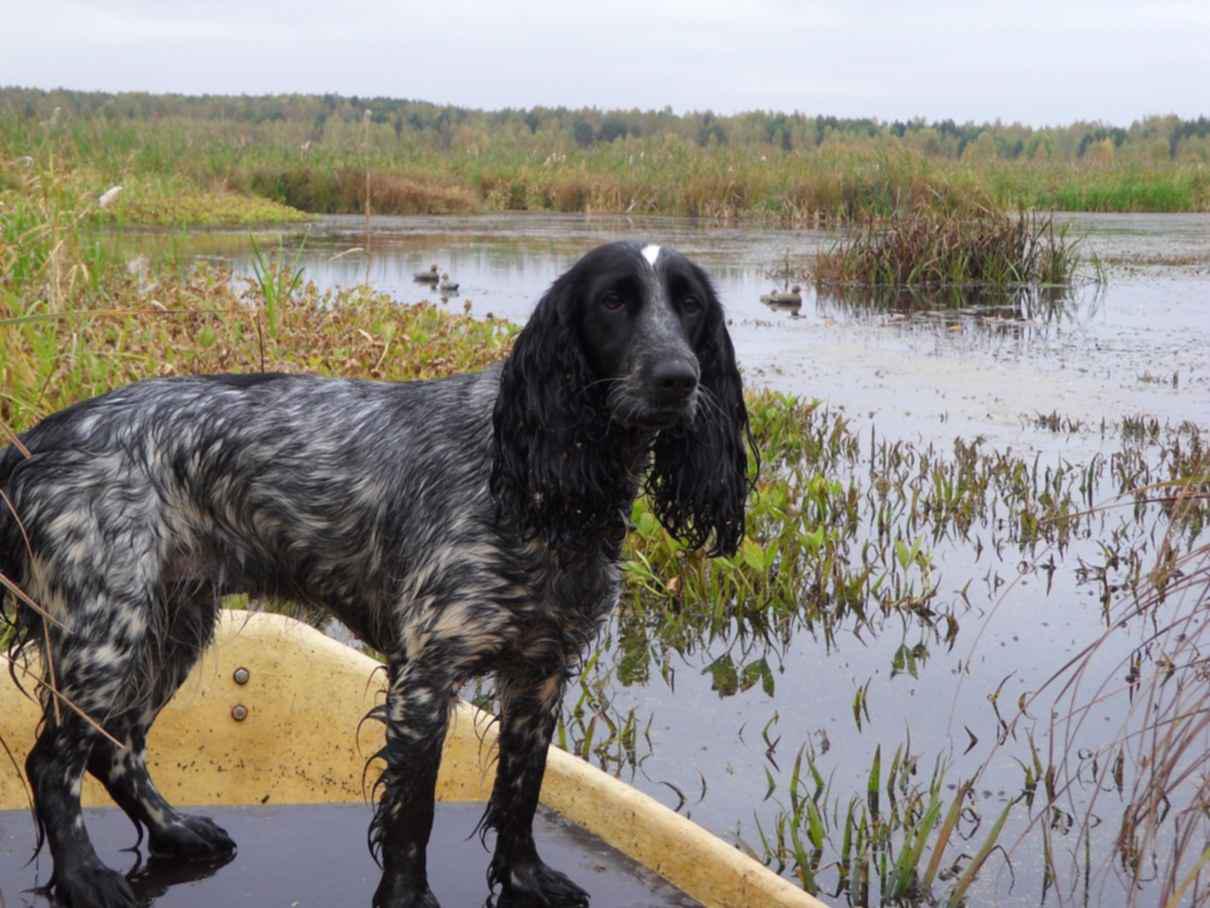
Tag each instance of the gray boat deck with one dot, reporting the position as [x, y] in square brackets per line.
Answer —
[316, 857]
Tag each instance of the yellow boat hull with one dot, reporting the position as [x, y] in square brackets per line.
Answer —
[289, 734]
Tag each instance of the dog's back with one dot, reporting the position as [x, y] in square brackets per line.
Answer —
[274, 485]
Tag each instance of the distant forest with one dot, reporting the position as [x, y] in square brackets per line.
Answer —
[1151, 140]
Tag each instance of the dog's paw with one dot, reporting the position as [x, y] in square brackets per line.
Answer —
[399, 892]
[93, 885]
[535, 885]
[192, 837]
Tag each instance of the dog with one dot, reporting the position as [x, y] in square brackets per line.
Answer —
[461, 527]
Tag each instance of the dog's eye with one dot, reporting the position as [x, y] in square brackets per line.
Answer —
[612, 301]
[692, 305]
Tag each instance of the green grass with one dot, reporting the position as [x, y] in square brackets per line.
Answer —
[884, 846]
[168, 201]
[1129, 190]
[159, 200]
[197, 324]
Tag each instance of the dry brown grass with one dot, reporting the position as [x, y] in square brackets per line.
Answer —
[391, 194]
[932, 250]
[323, 191]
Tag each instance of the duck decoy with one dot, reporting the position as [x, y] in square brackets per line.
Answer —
[791, 297]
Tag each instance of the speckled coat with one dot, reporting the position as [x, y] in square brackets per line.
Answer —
[462, 526]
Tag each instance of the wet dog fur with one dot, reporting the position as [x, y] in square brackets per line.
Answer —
[462, 527]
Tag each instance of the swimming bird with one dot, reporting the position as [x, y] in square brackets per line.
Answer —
[448, 286]
[427, 277]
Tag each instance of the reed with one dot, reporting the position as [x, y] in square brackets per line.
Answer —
[319, 155]
[923, 249]
[1155, 766]
[884, 847]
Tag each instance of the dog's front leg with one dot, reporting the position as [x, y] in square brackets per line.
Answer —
[529, 711]
[417, 716]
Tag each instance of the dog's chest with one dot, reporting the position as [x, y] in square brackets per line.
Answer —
[577, 595]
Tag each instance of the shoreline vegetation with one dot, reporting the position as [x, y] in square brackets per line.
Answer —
[924, 251]
[215, 160]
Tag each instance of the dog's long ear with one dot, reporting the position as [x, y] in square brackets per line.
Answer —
[552, 469]
[699, 481]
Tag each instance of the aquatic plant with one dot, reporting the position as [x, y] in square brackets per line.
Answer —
[1126, 189]
[277, 280]
[889, 845]
[321, 190]
[1156, 760]
[924, 250]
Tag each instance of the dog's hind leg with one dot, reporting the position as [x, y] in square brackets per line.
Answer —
[123, 771]
[417, 717]
[55, 767]
[529, 711]
[91, 665]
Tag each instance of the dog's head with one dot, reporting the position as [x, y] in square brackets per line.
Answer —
[628, 351]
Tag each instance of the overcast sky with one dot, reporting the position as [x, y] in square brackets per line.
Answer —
[1036, 61]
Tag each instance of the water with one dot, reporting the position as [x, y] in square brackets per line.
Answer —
[937, 375]
[1138, 345]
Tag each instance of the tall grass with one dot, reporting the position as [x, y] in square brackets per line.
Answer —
[1163, 745]
[1130, 189]
[923, 249]
[76, 322]
[198, 324]
[172, 164]
[886, 845]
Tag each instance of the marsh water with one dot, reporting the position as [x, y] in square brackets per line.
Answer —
[977, 367]
[923, 372]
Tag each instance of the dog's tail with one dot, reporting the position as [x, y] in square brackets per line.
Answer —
[10, 456]
[11, 553]
[18, 625]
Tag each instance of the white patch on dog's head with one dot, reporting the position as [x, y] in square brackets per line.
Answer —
[651, 253]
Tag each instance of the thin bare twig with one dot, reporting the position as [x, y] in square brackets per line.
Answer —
[67, 701]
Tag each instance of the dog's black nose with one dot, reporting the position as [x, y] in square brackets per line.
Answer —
[674, 380]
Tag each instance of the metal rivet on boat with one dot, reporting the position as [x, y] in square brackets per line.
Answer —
[242, 675]
[239, 712]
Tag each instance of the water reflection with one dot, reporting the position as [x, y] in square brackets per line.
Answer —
[956, 584]
[1040, 305]
[316, 855]
[154, 876]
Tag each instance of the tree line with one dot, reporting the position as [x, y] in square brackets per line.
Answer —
[1152, 139]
